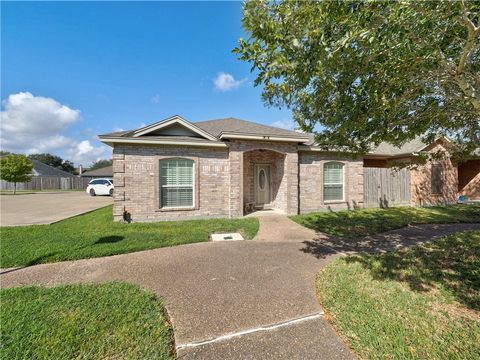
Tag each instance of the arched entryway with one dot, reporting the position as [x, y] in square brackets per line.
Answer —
[264, 181]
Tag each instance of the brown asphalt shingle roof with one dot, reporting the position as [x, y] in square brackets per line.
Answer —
[409, 147]
[217, 126]
[106, 171]
[41, 169]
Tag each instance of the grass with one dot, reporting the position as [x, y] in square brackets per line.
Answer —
[418, 303]
[95, 235]
[356, 224]
[108, 321]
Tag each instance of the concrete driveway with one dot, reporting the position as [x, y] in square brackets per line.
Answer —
[47, 207]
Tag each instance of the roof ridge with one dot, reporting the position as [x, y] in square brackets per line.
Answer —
[250, 122]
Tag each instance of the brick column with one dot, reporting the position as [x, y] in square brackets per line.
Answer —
[119, 184]
[236, 181]
[291, 169]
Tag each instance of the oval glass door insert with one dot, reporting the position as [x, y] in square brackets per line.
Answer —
[261, 179]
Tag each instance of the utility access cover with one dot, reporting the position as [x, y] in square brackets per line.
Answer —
[227, 237]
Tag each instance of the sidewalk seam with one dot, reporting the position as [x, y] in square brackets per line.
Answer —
[251, 331]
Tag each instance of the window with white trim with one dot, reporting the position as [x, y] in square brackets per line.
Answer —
[333, 181]
[176, 183]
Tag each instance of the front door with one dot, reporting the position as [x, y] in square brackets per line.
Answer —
[262, 185]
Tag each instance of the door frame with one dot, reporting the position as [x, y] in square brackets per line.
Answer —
[255, 183]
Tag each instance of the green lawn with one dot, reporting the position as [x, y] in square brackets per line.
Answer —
[418, 303]
[108, 321]
[355, 224]
[95, 234]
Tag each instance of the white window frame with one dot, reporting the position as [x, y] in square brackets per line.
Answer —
[343, 183]
[162, 207]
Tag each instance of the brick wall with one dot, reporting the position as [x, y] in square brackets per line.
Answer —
[287, 195]
[278, 182]
[224, 179]
[311, 182]
[469, 179]
[136, 179]
[421, 181]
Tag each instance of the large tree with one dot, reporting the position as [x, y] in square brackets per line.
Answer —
[54, 160]
[361, 72]
[15, 168]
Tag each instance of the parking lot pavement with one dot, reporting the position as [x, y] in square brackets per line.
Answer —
[47, 207]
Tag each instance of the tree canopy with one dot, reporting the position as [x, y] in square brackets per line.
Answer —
[100, 164]
[55, 161]
[361, 72]
[15, 168]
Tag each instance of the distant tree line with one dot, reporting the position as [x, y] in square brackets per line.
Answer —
[59, 163]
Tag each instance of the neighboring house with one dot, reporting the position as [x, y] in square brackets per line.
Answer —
[44, 170]
[105, 172]
[45, 177]
[227, 167]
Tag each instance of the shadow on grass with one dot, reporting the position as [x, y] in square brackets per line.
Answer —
[109, 239]
[451, 264]
[359, 223]
[41, 259]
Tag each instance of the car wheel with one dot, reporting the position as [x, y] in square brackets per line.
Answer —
[111, 192]
[92, 192]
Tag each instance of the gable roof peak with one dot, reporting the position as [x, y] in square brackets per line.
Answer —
[175, 119]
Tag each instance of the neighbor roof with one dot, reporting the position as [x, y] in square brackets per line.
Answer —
[409, 147]
[41, 169]
[106, 171]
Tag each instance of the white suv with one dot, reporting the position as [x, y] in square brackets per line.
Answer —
[100, 187]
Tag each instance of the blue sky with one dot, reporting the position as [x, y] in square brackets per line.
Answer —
[75, 70]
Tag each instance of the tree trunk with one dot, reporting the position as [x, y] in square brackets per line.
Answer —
[14, 188]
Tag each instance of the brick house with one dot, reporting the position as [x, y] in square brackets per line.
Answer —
[227, 167]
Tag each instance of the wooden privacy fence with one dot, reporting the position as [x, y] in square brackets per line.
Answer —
[49, 183]
[384, 187]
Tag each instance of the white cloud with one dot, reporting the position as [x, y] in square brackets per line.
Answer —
[155, 99]
[28, 114]
[287, 124]
[226, 82]
[35, 124]
[84, 152]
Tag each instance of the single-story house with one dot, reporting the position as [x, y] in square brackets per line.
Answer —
[227, 167]
[44, 170]
[104, 172]
[44, 177]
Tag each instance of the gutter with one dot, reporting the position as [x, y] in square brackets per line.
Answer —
[235, 135]
[120, 140]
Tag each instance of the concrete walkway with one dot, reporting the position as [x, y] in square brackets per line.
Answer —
[245, 299]
[279, 228]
